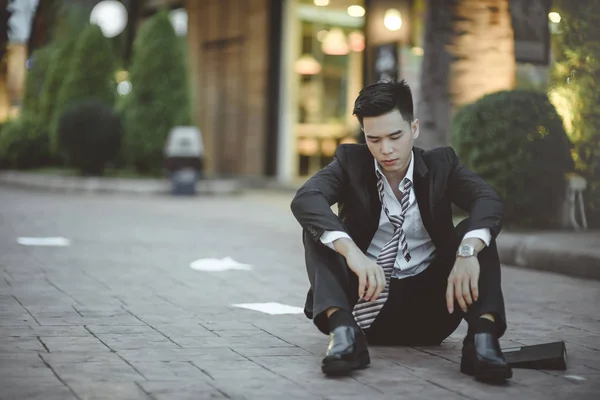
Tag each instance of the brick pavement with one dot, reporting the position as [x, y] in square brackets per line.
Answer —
[120, 315]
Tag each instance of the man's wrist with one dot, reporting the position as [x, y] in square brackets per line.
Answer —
[477, 243]
[345, 246]
[470, 247]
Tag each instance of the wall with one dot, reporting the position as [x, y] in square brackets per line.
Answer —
[228, 45]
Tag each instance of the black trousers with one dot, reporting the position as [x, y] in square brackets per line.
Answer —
[415, 312]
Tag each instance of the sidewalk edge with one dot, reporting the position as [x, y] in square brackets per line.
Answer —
[112, 185]
[527, 254]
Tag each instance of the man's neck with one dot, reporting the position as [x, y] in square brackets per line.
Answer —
[395, 178]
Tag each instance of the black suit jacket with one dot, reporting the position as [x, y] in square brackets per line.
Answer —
[439, 180]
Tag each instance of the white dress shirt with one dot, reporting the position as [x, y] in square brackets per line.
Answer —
[421, 247]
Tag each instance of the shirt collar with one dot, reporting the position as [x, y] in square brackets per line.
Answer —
[409, 171]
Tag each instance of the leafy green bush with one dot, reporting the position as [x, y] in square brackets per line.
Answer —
[90, 133]
[576, 76]
[55, 76]
[516, 141]
[35, 79]
[69, 21]
[24, 143]
[159, 99]
[90, 74]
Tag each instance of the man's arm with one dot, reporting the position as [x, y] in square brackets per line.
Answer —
[474, 195]
[312, 203]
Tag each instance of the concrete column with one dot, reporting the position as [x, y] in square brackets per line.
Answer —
[287, 165]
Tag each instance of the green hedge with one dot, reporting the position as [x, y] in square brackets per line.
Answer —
[36, 77]
[90, 134]
[69, 23]
[91, 72]
[516, 141]
[159, 99]
[24, 143]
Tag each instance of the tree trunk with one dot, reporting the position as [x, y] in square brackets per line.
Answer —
[434, 107]
[483, 50]
[469, 52]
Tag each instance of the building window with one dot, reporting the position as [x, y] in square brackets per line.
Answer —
[329, 73]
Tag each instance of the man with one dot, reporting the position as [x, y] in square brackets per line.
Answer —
[391, 268]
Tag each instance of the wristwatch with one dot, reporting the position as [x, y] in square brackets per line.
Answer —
[466, 250]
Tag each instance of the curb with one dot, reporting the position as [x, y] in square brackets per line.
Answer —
[549, 253]
[149, 186]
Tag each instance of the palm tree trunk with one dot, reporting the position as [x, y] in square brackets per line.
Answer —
[434, 107]
[469, 52]
[483, 49]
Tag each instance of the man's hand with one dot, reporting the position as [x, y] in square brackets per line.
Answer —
[370, 275]
[462, 282]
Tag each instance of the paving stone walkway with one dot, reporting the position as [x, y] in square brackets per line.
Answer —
[119, 314]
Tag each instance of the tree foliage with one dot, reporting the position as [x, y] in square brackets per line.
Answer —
[159, 99]
[576, 77]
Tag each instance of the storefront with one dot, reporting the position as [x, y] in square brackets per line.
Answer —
[275, 81]
[322, 72]
[331, 49]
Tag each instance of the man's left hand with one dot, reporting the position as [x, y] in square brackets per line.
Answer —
[463, 283]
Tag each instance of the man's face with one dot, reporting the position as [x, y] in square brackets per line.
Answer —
[390, 139]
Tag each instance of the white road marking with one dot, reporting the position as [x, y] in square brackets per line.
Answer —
[271, 308]
[43, 241]
[214, 264]
[575, 378]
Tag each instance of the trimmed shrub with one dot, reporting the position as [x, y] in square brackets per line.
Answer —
[69, 22]
[55, 76]
[159, 99]
[516, 141]
[90, 133]
[91, 73]
[24, 143]
[35, 79]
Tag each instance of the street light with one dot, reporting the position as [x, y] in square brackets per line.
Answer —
[179, 20]
[392, 19]
[110, 16]
[554, 17]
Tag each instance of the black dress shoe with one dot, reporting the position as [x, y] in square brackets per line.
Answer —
[347, 351]
[483, 359]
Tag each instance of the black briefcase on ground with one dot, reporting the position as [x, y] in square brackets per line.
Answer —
[550, 356]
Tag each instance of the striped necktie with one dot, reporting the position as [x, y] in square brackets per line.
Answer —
[366, 312]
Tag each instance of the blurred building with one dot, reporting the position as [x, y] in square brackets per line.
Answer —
[274, 81]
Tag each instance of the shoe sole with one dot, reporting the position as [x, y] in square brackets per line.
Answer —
[344, 367]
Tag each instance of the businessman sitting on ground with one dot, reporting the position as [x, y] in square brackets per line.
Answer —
[391, 268]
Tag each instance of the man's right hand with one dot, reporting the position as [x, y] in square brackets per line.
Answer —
[371, 278]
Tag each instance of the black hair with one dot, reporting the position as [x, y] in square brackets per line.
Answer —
[383, 97]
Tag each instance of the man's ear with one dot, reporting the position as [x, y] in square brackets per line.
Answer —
[415, 128]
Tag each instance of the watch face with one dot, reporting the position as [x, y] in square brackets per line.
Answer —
[466, 250]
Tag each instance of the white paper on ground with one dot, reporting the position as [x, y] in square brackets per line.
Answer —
[43, 241]
[214, 264]
[575, 377]
[271, 308]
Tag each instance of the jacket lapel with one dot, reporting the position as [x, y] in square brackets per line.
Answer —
[423, 190]
[372, 202]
